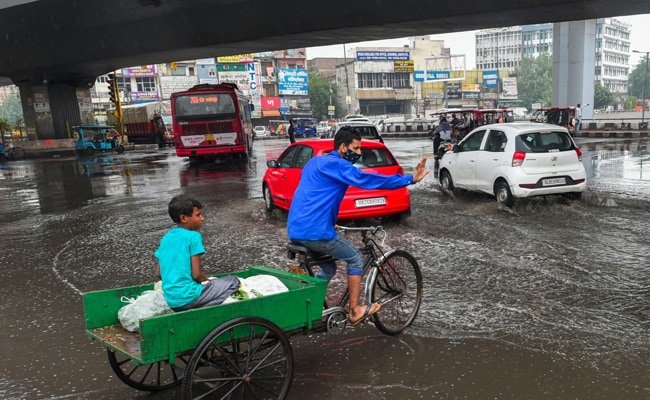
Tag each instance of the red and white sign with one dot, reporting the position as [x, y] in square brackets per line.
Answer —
[270, 103]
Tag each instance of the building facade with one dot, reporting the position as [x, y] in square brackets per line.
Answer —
[503, 49]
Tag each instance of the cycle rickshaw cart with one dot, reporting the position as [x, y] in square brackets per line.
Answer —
[236, 350]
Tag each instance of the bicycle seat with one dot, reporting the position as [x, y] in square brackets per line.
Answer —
[293, 249]
[303, 253]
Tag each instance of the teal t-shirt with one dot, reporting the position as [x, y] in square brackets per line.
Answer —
[174, 256]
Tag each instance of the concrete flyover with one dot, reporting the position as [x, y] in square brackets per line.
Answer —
[54, 49]
[74, 41]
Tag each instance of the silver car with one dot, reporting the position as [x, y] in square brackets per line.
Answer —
[515, 160]
[261, 131]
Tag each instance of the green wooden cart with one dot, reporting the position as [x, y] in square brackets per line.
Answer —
[237, 350]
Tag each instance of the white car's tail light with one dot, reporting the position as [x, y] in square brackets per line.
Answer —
[518, 158]
[579, 153]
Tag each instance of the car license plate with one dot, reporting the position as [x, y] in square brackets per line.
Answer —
[553, 181]
[375, 201]
[209, 137]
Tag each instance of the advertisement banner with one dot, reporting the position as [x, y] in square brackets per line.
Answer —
[293, 82]
[418, 76]
[240, 78]
[510, 88]
[471, 87]
[237, 58]
[490, 79]
[254, 85]
[383, 55]
[145, 71]
[403, 66]
[270, 103]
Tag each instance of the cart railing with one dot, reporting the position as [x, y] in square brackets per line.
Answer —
[164, 337]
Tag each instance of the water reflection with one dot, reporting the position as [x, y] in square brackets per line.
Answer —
[619, 167]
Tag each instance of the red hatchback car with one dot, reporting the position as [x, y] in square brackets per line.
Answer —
[282, 177]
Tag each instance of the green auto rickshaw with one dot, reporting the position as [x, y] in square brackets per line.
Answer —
[90, 138]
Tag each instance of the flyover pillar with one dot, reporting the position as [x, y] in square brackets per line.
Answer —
[50, 109]
[574, 48]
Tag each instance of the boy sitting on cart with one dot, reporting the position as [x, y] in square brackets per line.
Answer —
[184, 284]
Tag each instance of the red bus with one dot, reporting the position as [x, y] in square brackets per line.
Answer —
[212, 121]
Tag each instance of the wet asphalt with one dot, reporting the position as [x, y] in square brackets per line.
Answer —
[548, 300]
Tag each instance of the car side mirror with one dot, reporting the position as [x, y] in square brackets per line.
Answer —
[455, 148]
[272, 163]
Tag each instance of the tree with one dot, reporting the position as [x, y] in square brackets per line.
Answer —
[630, 103]
[12, 111]
[535, 80]
[637, 79]
[321, 91]
[602, 97]
[5, 126]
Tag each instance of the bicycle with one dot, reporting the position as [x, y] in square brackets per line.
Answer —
[11, 153]
[393, 279]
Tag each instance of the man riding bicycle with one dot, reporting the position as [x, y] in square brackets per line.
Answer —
[315, 207]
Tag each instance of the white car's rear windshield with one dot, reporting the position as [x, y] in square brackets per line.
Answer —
[544, 142]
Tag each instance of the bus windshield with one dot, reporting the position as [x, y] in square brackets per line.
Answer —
[214, 105]
[210, 121]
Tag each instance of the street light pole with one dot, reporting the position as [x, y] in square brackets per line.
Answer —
[498, 74]
[347, 83]
[645, 81]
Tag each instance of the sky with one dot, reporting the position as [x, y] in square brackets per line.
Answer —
[463, 42]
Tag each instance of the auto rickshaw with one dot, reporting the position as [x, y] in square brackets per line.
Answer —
[558, 115]
[90, 138]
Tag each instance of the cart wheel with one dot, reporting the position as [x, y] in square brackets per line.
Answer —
[90, 151]
[150, 377]
[245, 358]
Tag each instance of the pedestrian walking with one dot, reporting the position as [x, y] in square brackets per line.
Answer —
[292, 135]
[578, 116]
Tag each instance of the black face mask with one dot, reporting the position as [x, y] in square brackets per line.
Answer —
[352, 156]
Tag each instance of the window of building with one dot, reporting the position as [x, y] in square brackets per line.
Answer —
[383, 80]
[147, 84]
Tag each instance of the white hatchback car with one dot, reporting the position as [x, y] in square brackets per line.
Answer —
[515, 160]
[261, 131]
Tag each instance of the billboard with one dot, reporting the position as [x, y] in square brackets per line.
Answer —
[237, 58]
[490, 79]
[510, 88]
[383, 55]
[293, 82]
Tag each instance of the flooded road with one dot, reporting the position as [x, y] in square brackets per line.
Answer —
[549, 300]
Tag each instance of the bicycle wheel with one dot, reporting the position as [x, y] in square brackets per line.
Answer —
[245, 358]
[398, 286]
[17, 153]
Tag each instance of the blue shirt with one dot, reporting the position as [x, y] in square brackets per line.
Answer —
[323, 183]
[174, 255]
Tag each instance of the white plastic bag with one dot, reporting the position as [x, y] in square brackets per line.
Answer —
[149, 304]
[257, 286]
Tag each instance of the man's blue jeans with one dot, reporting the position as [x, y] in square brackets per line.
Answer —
[339, 248]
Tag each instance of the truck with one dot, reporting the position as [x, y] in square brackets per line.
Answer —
[145, 123]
